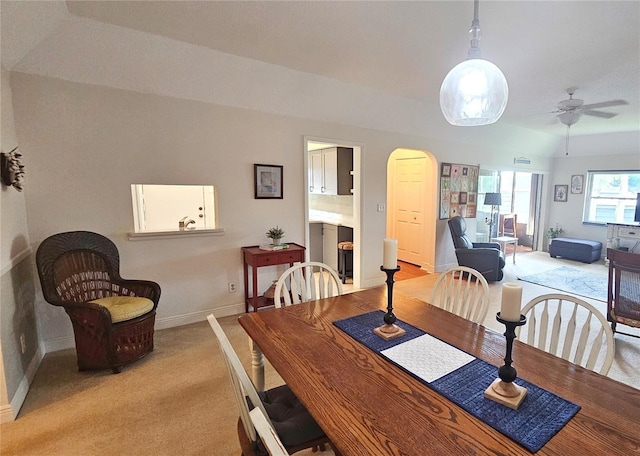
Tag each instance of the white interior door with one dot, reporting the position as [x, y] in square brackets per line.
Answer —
[165, 205]
[409, 208]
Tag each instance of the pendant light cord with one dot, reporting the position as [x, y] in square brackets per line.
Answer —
[474, 33]
[566, 146]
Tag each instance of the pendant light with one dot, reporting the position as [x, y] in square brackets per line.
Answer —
[475, 92]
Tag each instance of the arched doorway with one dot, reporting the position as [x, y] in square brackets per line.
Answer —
[412, 197]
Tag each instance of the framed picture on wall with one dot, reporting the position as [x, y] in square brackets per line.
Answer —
[267, 181]
[560, 193]
[577, 182]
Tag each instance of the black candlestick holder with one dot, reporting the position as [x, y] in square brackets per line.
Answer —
[389, 330]
[503, 389]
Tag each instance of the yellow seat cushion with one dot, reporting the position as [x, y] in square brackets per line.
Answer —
[124, 308]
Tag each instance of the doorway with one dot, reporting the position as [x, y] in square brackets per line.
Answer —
[339, 209]
[412, 178]
[521, 196]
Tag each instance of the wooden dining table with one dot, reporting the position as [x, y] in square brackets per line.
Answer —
[368, 406]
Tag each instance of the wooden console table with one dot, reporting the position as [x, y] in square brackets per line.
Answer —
[256, 257]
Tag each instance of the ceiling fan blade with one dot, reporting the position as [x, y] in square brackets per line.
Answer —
[604, 115]
[605, 104]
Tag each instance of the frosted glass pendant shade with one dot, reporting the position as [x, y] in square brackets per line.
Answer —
[475, 92]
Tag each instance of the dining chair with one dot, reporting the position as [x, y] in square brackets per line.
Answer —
[293, 424]
[113, 318]
[623, 302]
[508, 225]
[267, 433]
[571, 328]
[463, 291]
[306, 281]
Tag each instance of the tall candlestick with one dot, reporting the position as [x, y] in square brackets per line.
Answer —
[390, 254]
[511, 302]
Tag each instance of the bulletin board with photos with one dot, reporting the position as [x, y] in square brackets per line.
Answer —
[458, 190]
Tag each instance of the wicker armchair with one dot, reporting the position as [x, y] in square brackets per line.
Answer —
[79, 271]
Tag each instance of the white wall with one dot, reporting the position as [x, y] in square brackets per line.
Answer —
[17, 285]
[88, 144]
[569, 214]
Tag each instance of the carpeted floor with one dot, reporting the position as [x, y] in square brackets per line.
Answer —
[178, 399]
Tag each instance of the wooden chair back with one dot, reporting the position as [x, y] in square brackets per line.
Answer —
[307, 281]
[241, 384]
[623, 302]
[509, 225]
[267, 433]
[463, 291]
[570, 328]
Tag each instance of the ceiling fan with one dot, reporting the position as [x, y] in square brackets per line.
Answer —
[571, 110]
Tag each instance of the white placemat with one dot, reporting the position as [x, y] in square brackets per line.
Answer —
[427, 357]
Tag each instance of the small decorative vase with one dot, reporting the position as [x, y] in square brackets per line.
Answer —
[276, 241]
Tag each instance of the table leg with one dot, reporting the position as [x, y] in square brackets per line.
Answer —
[257, 365]
[515, 247]
[254, 283]
[246, 286]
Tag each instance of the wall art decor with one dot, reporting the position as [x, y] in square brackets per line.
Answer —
[267, 181]
[458, 190]
[560, 193]
[577, 182]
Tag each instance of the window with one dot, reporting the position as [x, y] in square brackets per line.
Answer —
[611, 196]
[173, 207]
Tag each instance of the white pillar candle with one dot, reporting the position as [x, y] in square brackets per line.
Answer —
[511, 301]
[390, 254]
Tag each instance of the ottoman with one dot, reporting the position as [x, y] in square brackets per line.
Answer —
[575, 249]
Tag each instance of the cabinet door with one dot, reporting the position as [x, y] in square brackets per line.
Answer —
[315, 172]
[330, 165]
[330, 245]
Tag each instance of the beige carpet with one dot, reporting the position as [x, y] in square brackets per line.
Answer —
[178, 400]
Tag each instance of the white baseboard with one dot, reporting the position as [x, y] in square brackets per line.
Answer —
[65, 342]
[195, 317]
[10, 412]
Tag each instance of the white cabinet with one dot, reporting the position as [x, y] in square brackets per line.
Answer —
[330, 171]
[624, 237]
[330, 245]
[316, 247]
[316, 172]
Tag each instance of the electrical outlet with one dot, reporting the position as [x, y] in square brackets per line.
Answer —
[23, 343]
[232, 287]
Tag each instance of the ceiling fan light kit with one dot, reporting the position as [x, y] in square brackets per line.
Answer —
[474, 92]
[570, 111]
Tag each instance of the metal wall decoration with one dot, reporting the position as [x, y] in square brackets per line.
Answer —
[458, 190]
[12, 169]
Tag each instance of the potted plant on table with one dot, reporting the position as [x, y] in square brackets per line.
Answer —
[553, 233]
[275, 234]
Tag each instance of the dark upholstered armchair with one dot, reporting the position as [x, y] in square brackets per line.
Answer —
[484, 257]
[113, 318]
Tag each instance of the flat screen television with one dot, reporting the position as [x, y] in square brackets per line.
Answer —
[637, 217]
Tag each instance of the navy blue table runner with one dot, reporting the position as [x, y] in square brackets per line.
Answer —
[540, 416]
